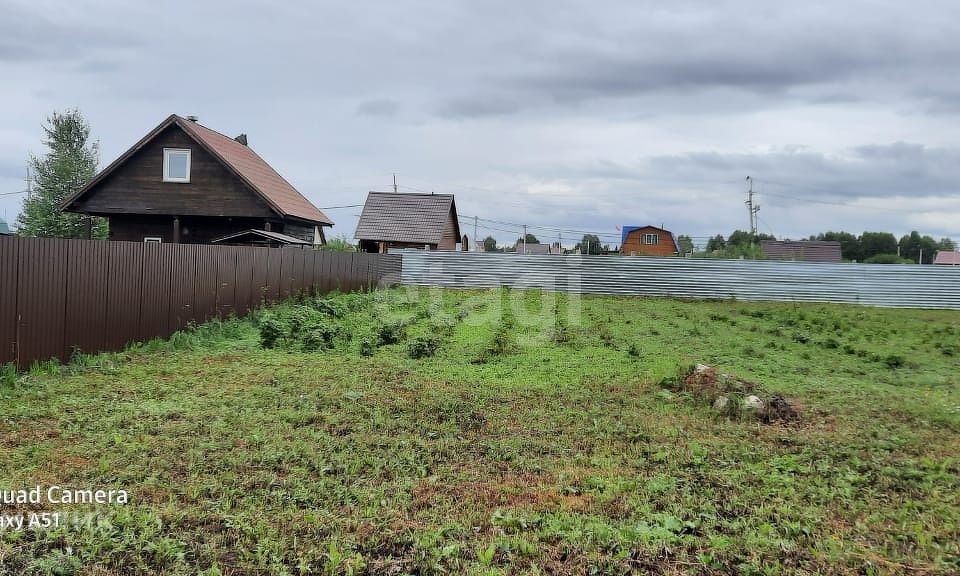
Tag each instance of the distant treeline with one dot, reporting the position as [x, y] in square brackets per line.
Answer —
[870, 247]
[879, 247]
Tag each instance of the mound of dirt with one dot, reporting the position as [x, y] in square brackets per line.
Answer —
[733, 397]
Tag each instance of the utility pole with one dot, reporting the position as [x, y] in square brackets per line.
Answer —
[394, 182]
[524, 238]
[476, 248]
[920, 258]
[751, 209]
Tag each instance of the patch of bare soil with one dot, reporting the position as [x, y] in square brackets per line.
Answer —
[734, 397]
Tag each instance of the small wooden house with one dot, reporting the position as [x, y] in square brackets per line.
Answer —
[535, 249]
[947, 258]
[186, 183]
[802, 250]
[393, 220]
[648, 241]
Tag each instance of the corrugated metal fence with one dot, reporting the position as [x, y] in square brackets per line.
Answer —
[57, 296]
[873, 285]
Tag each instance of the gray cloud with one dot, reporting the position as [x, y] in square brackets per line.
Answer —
[872, 173]
[552, 111]
[786, 55]
[12, 169]
[478, 107]
[379, 107]
[29, 36]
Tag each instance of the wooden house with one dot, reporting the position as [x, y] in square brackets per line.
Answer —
[535, 249]
[393, 220]
[947, 258]
[802, 250]
[648, 241]
[186, 183]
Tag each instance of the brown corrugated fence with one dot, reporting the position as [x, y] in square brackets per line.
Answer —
[58, 296]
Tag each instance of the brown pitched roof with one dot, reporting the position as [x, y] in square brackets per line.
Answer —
[802, 250]
[414, 218]
[947, 257]
[531, 248]
[255, 234]
[283, 198]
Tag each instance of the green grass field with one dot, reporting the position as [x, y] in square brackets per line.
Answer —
[499, 432]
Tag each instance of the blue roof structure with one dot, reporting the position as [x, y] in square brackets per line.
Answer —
[4, 229]
[627, 230]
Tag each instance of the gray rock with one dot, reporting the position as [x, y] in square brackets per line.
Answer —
[753, 403]
[721, 403]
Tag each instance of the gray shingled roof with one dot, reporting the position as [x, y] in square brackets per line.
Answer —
[802, 250]
[275, 236]
[531, 248]
[414, 218]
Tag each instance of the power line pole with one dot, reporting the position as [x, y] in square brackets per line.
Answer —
[751, 209]
[524, 238]
[476, 248]
[394, 182]
[29, 182]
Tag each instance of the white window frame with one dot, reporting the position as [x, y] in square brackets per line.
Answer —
[152, 240]
[654, 237]
[167, 152]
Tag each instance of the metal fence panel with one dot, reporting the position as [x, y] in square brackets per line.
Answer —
[900, 286]
[125, 270]
[272, 291]
[227, 280]
[9, 264]
[86, 309]
[155, 292]
[41, 299]
[183, 286]
[60, 295]
[206, 296]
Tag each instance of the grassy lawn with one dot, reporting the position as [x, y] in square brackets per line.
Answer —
[431, 431]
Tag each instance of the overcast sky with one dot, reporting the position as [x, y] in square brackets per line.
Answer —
[580, 115]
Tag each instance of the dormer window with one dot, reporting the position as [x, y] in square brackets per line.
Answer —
[176, 164]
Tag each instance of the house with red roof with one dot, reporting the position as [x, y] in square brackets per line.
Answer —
[947, 258]
[186, 183]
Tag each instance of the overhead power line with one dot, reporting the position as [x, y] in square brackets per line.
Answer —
[803, 199]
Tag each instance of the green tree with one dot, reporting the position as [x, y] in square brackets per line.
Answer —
[589, 244]
[489, 244]
[740, 244]
[717, 243]
[946, 244]
[685, 244]
[341, 243]
[740, 238]
[886, 259]
[875, 243]
[744, 238]
[851, 247]
[69, 164]
[531, 239]
[913, 246]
